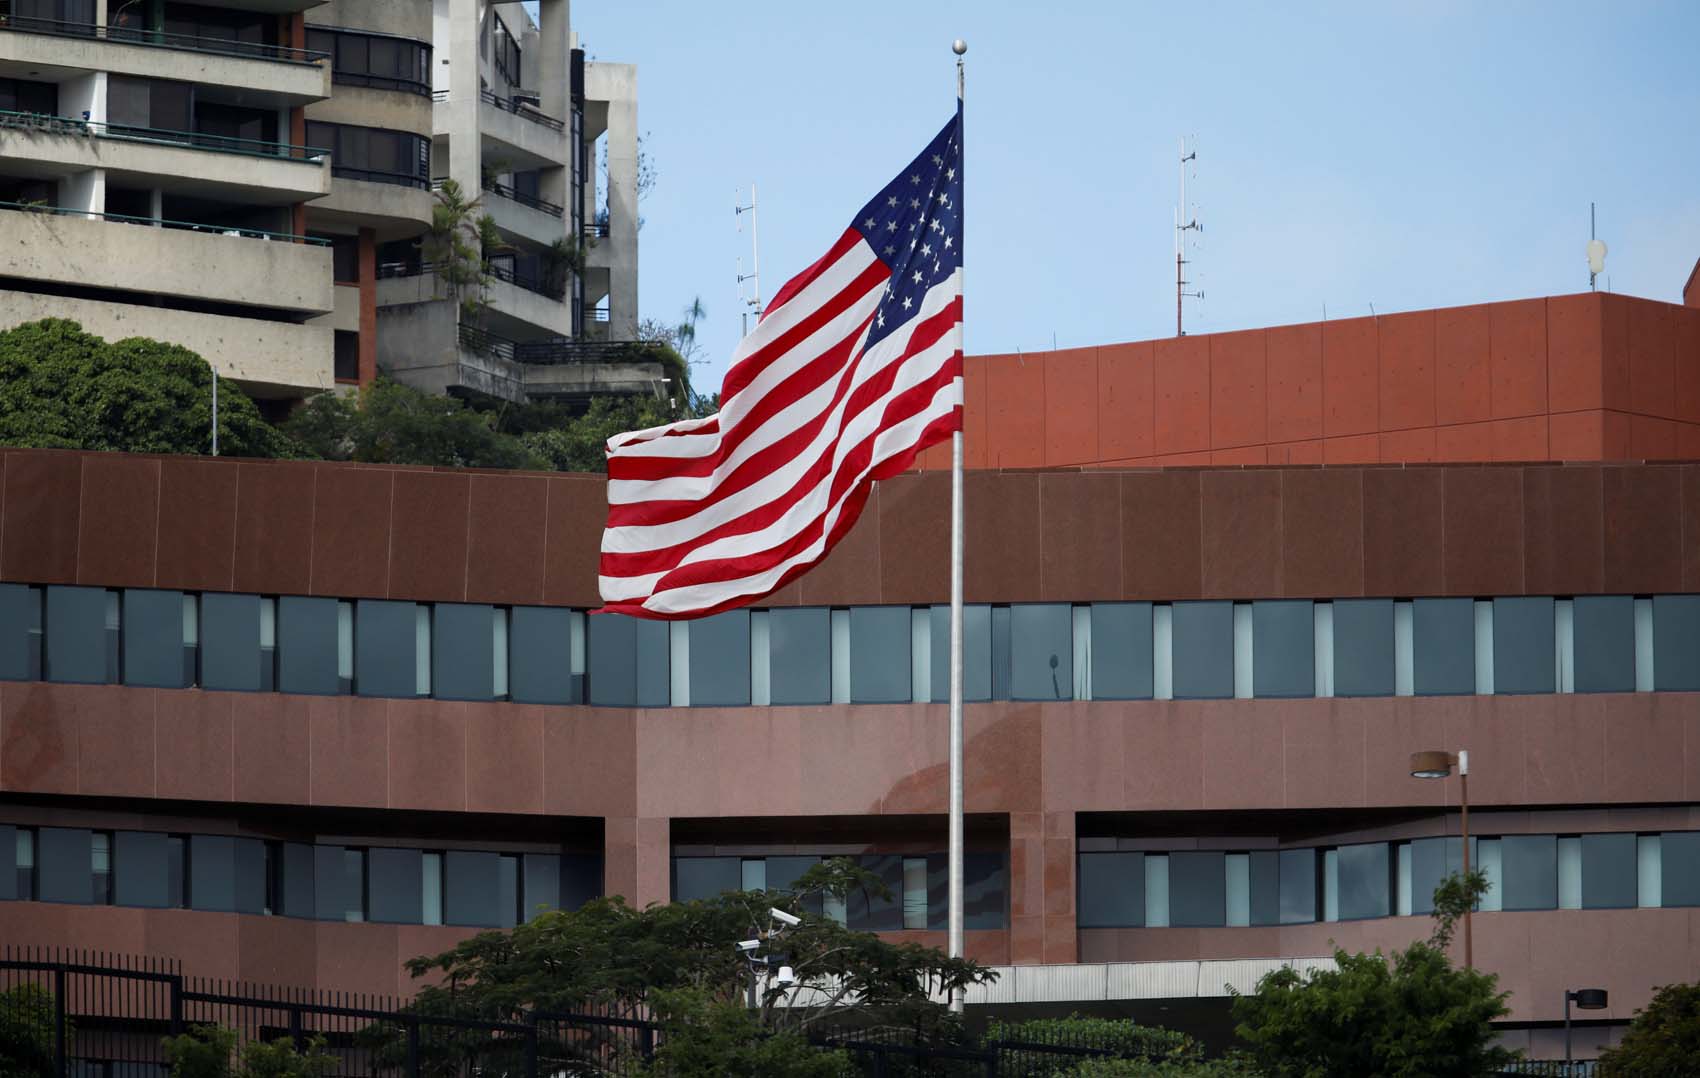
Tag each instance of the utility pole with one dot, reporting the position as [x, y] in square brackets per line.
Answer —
[1183, 225]
[751, 302]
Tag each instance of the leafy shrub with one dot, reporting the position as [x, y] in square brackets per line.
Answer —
[1663, 1041]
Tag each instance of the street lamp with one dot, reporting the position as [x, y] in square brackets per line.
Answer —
[1438, 765]
[1589, 999]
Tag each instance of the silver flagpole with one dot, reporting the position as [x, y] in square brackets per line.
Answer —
[956, 997]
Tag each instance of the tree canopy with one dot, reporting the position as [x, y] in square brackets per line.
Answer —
[1663, 1041]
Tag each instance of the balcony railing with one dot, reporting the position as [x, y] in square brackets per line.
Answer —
[522, 198]
[159, 222]
[250, 50]
[47, 123]
[552, 351]
[502, 273]
[524, 112]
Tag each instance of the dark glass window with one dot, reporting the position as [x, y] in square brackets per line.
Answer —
[139, 869]
[880, 657]
[212, 872]
[253, 876]
[1112, 889]
[1121, 651]
[230, 642]
[176, 872]
[346, 356]
[100, 856]
[507, 890]
[629, 661]
[64, 860]
[472, 889]
[1041, 637]
[385, 63]
[1676, 643]
[1265, 872]
[153, 639]
[1283, 647]
[296, 880]
[542, 884]
[307, 646]
[1528, 866]
[581, 879]
[373, 154]
[1432, 860]
[783, 873]
[386, 640]
[705, 877]
[539, 657]
[1443, 646]
[800, 655]
[1679, 861]
[720, 660]
[156, 103]
[9, 868]
[1363, 647]
[867, 912]
[1203, 650]
[20, 634]
[1604, 638]
[1000, 654]
[1523, 651]
[82, 638]
[1298, 886]
[395, 885]
[1609, 880]
[985, 892]
[1364, 881]
[1198, 889]
[21, 95]
[339, 879]
[976, 652]
[463, 651]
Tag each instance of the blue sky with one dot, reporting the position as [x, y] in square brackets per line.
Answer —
[1405, 155]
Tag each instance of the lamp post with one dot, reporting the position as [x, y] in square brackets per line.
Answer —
[1438, 765]
[1589, 999]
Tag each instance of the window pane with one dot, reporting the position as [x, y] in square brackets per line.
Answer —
[1197, 889]
[1238, 867]
[915, 892]
[64, 865]
[705, 877]
[472, 889]
[870, 913]
[1605, 643]
[230, 642]
[539, 667]
[20, 632]
[976, 652]
[1608, 872]
[1364, 881]
[76, 635]
[1676, 643]
[212, 872]
[461, 653]
[879, 655]
[1283, 649]
[1432, 860]
[581, 879]
[542, 884]
[139, 869]
[431, 888]
[613, 660]
[296, 877]
[1523, 651]
[1112, 890]
[1121, 651]
[800, 655]
[1298, 886]
[1443, 644]
[1041, 646]
[1156, 890]
[720, 660]
[1680, 868]
[307, 645]
[395, 886]
[337, 892]
[253, 869]
[1265, 887]
[985, 892]
[9, 871]
[385, 642]
[1528, 864]
[1363, 647]
[654, 680]
[1203, 650]
[153, 638]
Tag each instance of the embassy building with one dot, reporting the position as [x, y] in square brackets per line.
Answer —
[294, 723]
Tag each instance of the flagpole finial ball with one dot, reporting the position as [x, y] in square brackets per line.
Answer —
[959, 46]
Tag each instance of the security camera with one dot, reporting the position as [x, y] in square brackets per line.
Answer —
[746, 946]
[784, 918]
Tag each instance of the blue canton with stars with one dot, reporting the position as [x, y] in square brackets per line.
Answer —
[914, 225]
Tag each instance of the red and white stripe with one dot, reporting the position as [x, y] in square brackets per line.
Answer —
[710, 514]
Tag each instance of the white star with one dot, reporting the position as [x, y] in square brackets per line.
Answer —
[934, 225]
[937, 160]
[911, 245]
[950, 174]
[926, 249]
[944, 200]
[947, 243]
[888, 251]
[881, 320]
[906, 303]
[869, 223]
[917, 277]
[891, 226]
[892, 201]
[914, 203]
[888, 288]
[913, 178]
[935, 265]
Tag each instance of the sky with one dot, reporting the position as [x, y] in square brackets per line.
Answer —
[1388, 156]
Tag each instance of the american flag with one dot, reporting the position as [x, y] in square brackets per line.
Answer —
[855, 367]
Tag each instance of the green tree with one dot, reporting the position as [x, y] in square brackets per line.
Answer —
[210, 1052]
[391, 423]
[1407, 1015]
[1663, 1041]
[26, 1032]
[703, 1037]
[455, 245]
[578, 444]
[1139, 1051]
[64, 388]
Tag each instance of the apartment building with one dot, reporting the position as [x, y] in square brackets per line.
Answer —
[295, 723]
[252, 180]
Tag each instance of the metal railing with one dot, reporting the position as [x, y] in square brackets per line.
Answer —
[503, 190]
[551, 351]
[382, 82]
[252, 50]
[542, 287]
[50, 124]
[524, 112]
[373, 175]
[161, 222]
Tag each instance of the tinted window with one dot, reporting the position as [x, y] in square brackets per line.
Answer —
[230, 642]
[395, 885]
[1283, 647]
[1604, 638]
[976, 652]
[542, 884]
[76, 635]
[9, 871]
[20, 632]
[867, 912]
[654, 681]
[705, 877]
[1443, 644]
[296, 880]
[1198, 889]
[985, 892]
[1112, 890]
[1529, 865]
[613, 659]
[539, 656]
[212, 872]
[338, 884]
[1203, 650]
[253, 867]
[1121, 651]
[880, 659]
[720, 660]
[472, 889]
[1000, 654]
[386, 637]
[1432, 860]
[783, 873]
[1298, 886]
[153, 638]
[64, 860]
[1523, 651]
[139, 869]
[581, 879]
[1679, 858]
[800, 655]
[462, 651]
[1265, 872]
[1041, 637]
[1364, 881]
[307, 646]
[1608, 872]
[1363, 647]
[1676, 644]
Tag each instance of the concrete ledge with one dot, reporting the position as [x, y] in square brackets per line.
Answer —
[276, 82]
[1113, 981]
[269, 180]
[394, 211]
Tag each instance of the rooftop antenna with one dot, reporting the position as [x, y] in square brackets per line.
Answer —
[751, 302]
[1596, 253]
[1181, 229]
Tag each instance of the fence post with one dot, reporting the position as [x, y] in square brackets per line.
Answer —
[59, 1020]
[992, 1061]
[646, 1041]
[531, 1045]
[413, 1048]
[174, 985]
[296, 1036]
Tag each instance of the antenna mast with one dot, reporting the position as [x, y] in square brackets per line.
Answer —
[751, 302]
[1183, 225]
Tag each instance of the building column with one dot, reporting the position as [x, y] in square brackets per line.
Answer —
[1061, 938]
[636, 859]
[553, 79]
[621, 83]
[1026, 888]
[368, 259]
[465, 31]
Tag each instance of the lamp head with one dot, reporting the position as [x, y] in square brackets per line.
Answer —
[1589, 999]
[959, 46]
[1431, 765]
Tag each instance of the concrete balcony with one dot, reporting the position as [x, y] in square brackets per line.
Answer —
[395, 211]
[275, 76]
[533, 219]
[523, 135]
[254, 268]
[516, 311]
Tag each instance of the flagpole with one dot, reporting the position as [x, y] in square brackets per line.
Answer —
[956, 997]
